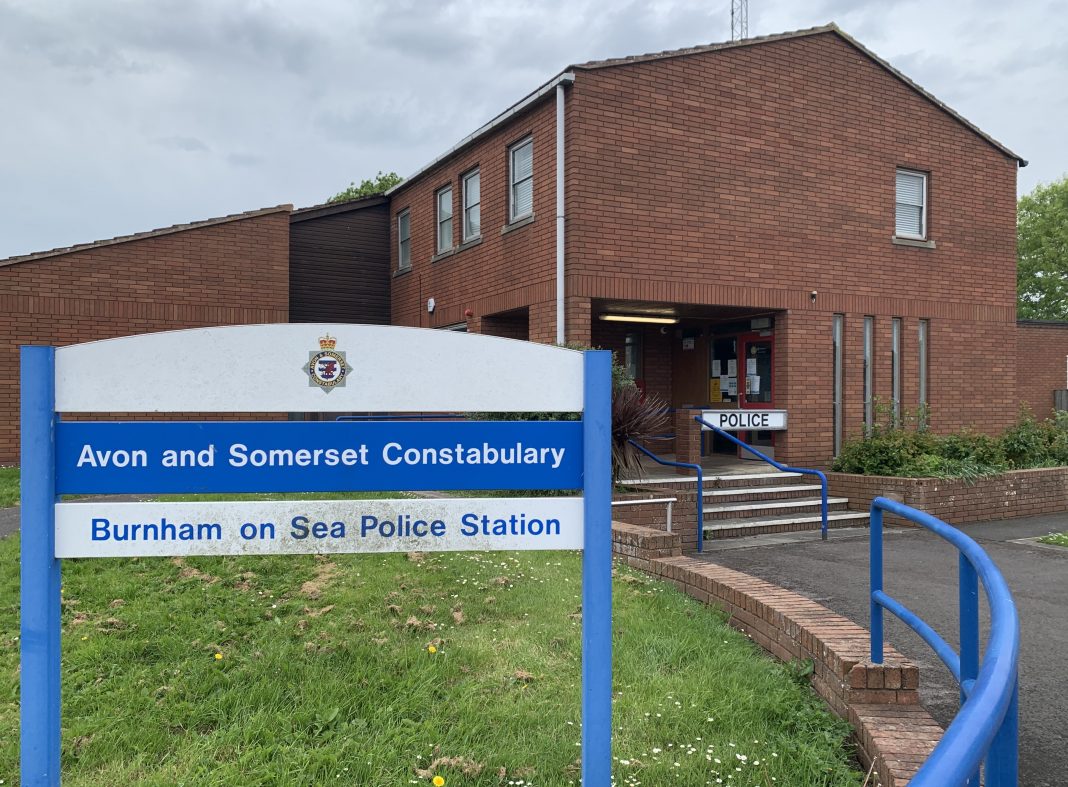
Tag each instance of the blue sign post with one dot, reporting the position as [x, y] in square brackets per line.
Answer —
[354, 369]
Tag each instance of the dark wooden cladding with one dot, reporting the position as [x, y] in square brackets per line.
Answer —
[339, 263]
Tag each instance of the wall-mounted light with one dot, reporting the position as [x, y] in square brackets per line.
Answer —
[639, 318]
[812, 296]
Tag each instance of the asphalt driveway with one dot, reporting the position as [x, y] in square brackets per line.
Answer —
[921, 572]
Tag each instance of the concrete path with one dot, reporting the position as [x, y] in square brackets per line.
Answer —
[921, 572]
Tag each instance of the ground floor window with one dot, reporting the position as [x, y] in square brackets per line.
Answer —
[632, 355]
[921, 347]
[836, 377]
[869, 403]
[895, 368]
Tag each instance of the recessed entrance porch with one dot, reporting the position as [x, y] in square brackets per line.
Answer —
[696, 357]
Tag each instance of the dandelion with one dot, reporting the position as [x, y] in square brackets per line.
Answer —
[438, 781]
[218, 657]
[432, 650]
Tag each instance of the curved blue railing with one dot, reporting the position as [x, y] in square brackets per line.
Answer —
[700, 489]
[778, 466]
[986, 727]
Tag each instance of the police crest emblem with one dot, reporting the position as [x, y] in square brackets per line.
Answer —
[327, 367]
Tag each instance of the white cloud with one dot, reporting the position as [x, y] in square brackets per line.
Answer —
[122, 116]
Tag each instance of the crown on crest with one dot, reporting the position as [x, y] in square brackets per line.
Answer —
[327, 342]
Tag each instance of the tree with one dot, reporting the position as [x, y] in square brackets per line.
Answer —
[1042, 250]
[382, 182]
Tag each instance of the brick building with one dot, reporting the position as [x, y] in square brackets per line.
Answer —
[785, 222]
[1042, 364]
[221, 271]
[781, 224]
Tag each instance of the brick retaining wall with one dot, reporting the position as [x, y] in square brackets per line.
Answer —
[1004, 496]
[881, 702]
[653, 515]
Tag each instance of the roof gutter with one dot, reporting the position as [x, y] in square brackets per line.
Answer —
[566, 78]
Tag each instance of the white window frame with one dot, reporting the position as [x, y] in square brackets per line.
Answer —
[513, 183]
[404, 243]
[469, 206]
[443, 220]
[923, 203]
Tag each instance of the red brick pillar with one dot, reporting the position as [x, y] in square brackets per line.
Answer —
[542, 322]
[687, 438]
[578, 320]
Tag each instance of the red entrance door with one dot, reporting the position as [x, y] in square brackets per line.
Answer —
[756, 359]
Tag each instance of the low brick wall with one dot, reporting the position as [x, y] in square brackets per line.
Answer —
[1005, 496]
[654, 515]
[880, 701]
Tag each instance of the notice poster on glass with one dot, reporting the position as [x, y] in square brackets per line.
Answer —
[715, 394]
[717, 369]
[732, 386]
[732, 367]
[752, 384]
[750, 366]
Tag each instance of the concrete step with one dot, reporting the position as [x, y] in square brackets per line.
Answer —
[716, 481]
[741, 493]
[767, 478]
[762, 508]
[736, 528]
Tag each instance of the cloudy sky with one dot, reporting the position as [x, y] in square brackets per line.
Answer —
[118, 116]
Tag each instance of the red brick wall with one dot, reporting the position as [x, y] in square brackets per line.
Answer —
[1004, 496]
[223, 274]
[750, 177]
[503, 272]
[705, 180]
[1041, 365]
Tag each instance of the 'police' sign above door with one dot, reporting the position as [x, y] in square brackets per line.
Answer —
[745, 420]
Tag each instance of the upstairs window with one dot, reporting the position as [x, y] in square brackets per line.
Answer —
[521, 180]
[445, 219]
[404, 240]
[911, 212]
[472, 206]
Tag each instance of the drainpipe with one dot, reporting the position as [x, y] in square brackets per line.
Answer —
[565, 79]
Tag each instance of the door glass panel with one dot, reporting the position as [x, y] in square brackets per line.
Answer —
[758, 373]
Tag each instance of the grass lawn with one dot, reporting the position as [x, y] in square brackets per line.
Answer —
[9, 487]
[392, 669]
[1060, 539]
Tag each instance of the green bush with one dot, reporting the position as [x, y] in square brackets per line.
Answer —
[896, 451]
[887, 452]
[1027, 442]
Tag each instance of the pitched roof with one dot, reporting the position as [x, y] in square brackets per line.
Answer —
[828, 28]
[251, 214]
[565, 76]
[330, 208]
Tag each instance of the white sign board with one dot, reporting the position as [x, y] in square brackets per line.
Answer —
[746, 420]
[317, 526]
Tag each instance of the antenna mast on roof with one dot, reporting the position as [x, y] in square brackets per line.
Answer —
[739, 19]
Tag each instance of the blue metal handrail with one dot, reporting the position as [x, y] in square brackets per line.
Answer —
[700, 489]
[986, 727]
[778, 466]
